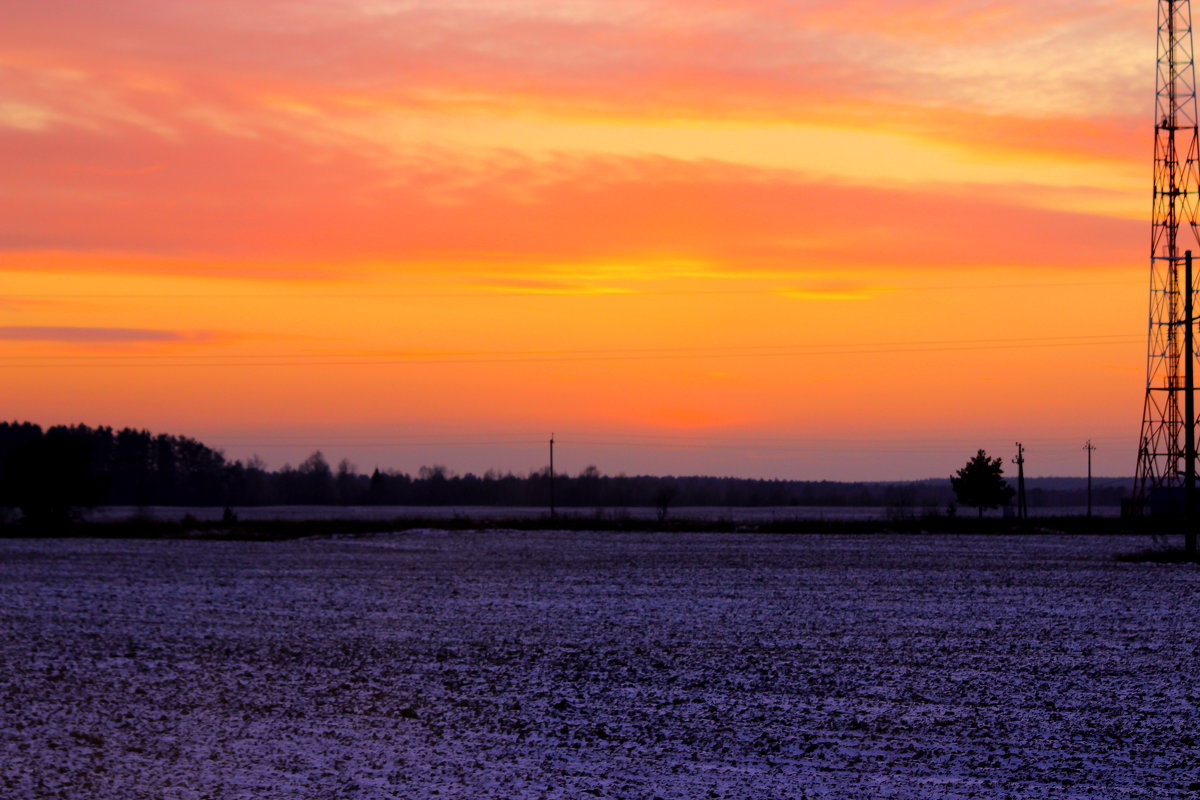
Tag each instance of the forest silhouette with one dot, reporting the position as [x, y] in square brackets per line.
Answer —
[54, 474]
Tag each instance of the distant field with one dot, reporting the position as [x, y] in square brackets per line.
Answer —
[738, 514]
[495, 666]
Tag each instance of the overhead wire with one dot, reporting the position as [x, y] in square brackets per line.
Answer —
[799, 444]
[499, 292]
[540, 356]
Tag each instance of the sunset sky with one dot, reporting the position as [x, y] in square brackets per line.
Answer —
[845, 239]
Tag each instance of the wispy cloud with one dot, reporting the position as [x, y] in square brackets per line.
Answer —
[86, 335]
[272, 211]
[249, 69]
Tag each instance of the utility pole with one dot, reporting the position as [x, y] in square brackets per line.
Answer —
[1189, 413]
[552, 476]
[1091, 448]
[1022, 507]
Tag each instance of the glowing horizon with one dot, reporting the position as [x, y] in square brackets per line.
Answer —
[807, 240]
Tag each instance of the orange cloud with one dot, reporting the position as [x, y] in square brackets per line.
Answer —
[269, 201]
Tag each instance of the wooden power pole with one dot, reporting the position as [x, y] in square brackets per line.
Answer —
[1022, 506]
[1091, 448]
[552, 476]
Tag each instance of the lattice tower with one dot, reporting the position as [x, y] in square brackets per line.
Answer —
[1161, 448]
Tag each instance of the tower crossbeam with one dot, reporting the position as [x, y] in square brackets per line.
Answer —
[1161, 450]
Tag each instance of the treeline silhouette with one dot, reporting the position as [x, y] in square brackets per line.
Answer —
[53, 473]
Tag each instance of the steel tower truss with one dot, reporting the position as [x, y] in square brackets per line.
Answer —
[1161, 449]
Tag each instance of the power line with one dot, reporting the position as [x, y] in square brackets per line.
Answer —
[732, 349]
[624, 437]
[824, 446]
[500, 292]
[541, 356]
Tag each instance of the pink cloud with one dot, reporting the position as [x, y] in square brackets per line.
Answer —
[774, 59]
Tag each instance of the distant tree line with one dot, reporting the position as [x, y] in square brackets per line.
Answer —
[55, 472]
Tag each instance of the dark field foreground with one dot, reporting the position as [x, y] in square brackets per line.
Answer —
[540, 664]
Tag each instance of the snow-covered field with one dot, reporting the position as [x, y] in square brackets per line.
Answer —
[550, 665]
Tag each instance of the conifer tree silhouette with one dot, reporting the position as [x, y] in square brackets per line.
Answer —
[981, 483]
